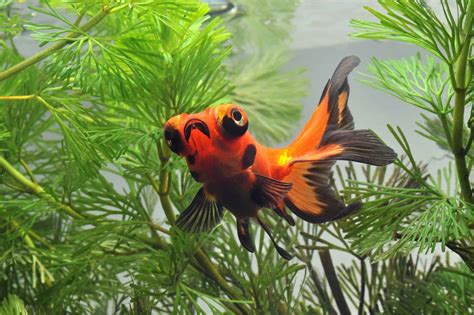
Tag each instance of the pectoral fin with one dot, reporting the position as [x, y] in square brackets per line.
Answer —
[201, 215]
[268, 192]
[244, 234]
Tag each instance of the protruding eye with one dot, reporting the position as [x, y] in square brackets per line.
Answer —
[235, 124]
[173, 139]
[237, 117]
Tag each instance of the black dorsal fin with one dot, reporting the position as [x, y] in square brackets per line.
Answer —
[201, 215]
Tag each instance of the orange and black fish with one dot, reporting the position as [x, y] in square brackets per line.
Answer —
[243, 176]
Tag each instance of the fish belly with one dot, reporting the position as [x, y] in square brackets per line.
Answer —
[233, 192]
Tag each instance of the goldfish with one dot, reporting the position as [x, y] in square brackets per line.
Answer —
[243, 176]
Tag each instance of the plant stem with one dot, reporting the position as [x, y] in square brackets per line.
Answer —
[213, 273]
[200, 256]
[447, 131]
[157, 227]
[459, 105]
[363, 275]
[57, 46]
[37, 189]
[469, 141]
[40, 192]
[29, 243]
[331, 277]
[163, 188]
[26, 238]
[28, 171]
[16, 97]
[323, 296]
[165, 200]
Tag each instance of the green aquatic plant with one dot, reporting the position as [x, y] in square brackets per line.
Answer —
[88, 187]
[440, 83]
[89, 191]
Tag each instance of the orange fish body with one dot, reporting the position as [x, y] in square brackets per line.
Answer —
[212, 161]
[243, 176]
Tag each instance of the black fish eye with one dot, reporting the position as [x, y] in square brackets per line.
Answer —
[235, 125]
[236, 114]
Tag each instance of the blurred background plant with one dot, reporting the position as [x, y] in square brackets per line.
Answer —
[89, 191]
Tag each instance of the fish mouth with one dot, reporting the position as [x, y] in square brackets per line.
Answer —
[195, 123]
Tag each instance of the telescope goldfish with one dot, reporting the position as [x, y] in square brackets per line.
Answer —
[243, 176]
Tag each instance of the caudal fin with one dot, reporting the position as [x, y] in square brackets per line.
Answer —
[312, 198]
[332, 112]
[361, 146]
[327, 137]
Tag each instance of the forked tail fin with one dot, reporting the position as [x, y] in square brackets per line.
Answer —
[327, 137]
[312, 198]
[361, 146]
[332, 112]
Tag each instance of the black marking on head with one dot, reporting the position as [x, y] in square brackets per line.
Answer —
[195, 175]
[249, 156]
[173, 140]
[195, 124]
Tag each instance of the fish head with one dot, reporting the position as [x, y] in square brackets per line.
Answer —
[212, 141]
[185, 132]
